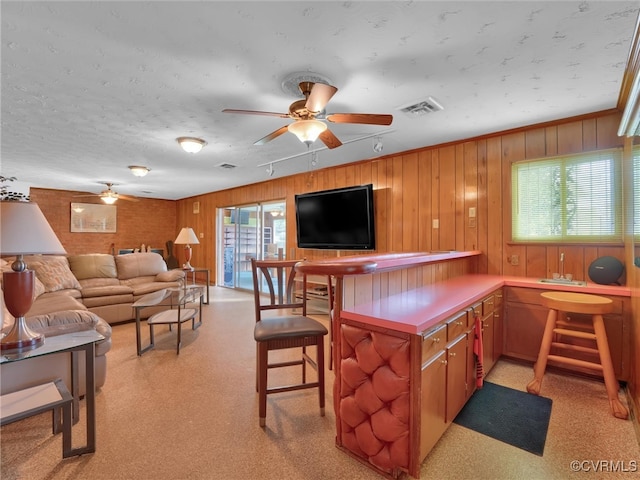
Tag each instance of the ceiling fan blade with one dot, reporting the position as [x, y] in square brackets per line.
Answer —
[272, 135]
[319, 97]
[256, 112]
[329, 139]
[127, 197]
[366, 118]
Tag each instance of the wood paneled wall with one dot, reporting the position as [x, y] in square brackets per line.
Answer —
[435, 184]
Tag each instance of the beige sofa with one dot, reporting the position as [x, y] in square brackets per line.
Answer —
[82, 292]
[106, 285]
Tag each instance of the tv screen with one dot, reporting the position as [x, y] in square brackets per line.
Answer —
[339, 219]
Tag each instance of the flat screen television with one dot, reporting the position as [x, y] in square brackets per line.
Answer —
[338, 219]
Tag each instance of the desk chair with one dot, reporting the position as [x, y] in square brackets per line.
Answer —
[288, 327]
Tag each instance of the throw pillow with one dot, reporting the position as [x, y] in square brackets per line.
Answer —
[54, 273]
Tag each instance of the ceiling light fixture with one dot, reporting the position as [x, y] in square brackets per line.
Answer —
[139, 171]
[191, 144]
[307, 131]
[377, 144]
[109, 198]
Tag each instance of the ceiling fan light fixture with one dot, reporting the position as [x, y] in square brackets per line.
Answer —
[307, 131]
[191, 144]
[109, 199]
[138, 170]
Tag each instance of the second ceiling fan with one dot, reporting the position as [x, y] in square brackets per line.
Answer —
[306, 113]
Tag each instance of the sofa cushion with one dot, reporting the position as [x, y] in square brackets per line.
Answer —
[105, 291]
[94, 302]
[53, 272]
[95, 265]
[132, 265]
[48, 303]
[144, 288]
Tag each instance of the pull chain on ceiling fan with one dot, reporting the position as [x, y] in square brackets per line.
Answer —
[306, 111]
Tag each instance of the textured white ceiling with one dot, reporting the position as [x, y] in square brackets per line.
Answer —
[89, 88]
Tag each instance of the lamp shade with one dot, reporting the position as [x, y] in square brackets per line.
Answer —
[186, 237]
[24, 230]
[307, 131]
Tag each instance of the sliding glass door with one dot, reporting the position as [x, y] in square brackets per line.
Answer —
[248, 231]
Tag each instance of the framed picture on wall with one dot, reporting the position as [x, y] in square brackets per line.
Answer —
[93, 218]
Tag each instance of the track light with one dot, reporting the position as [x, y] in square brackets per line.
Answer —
[270, 170]
[377, 144]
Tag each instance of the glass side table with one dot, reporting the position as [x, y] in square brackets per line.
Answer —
[176, 299]
[74, 343]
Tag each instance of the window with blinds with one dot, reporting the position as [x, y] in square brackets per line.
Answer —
[568, 199]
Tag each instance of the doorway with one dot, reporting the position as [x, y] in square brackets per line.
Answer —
[249, 231]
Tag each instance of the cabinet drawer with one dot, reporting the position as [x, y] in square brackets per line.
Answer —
[433, 342]
[487, 305]
[476, 309]
[456, 325]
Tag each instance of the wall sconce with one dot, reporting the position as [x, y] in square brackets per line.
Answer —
[191, 144]
[307, 131]
[139, 171]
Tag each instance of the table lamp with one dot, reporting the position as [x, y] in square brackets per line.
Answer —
[186, 237]
[24, 230]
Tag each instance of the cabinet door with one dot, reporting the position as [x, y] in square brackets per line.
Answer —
[523, 329]
[456, 376]
[432, 403]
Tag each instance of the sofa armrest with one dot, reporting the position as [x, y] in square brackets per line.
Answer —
[69, 321]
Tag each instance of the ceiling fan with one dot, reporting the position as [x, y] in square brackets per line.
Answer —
[307, 112]
[108, 196]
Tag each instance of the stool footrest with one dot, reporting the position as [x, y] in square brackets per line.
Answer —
[576, 348]
[575, 362]
[574, 333]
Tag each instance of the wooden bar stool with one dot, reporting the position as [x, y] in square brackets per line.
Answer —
[578, 303]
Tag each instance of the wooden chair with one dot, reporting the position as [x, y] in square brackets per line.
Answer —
[289, 327]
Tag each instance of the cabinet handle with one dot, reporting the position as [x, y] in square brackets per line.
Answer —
[485, 325]
[459, 324]
[443, 362]
[436, 339]
[452, 354]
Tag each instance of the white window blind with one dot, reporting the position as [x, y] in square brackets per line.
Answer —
[568, 199]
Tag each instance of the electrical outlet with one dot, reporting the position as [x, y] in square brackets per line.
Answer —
[436, 223]
[514, 260]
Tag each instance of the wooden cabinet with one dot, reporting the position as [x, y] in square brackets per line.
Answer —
[525, 319]
[448, 372]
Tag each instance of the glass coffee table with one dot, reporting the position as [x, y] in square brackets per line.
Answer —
[180, 309]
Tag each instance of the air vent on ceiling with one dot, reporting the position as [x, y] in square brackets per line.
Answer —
[423, 107]
[228, 166]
